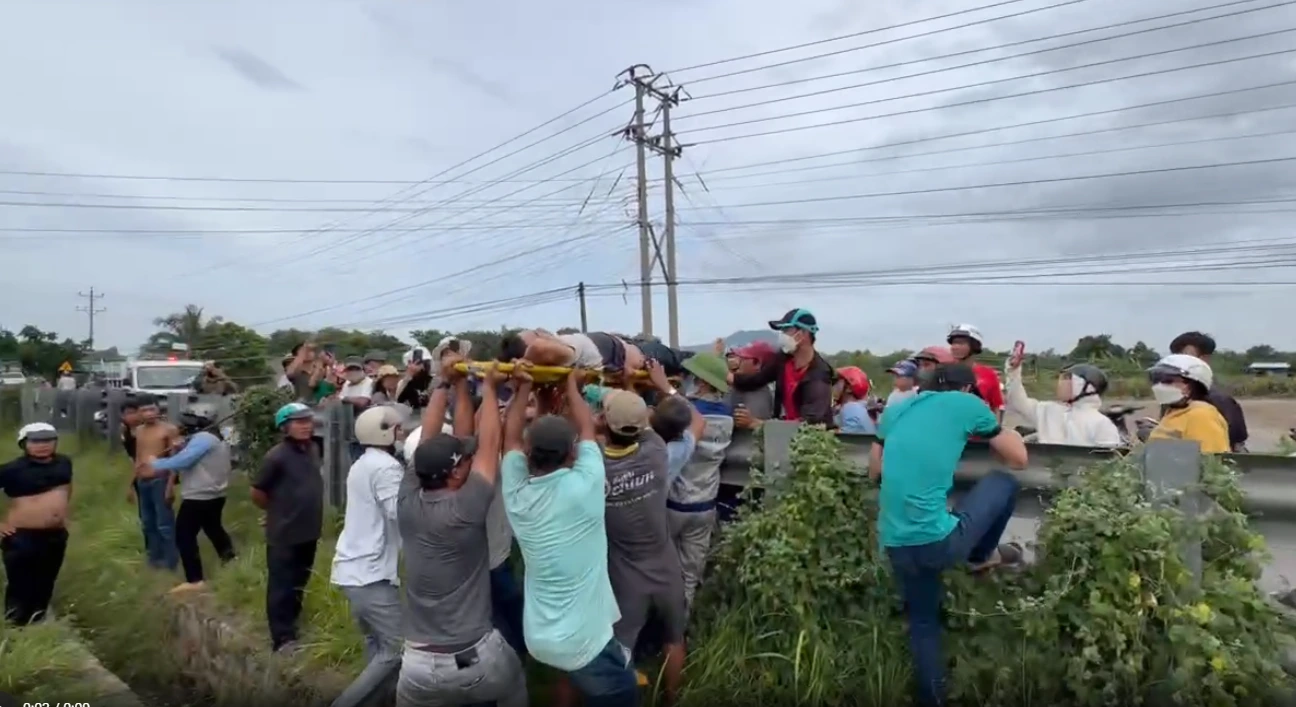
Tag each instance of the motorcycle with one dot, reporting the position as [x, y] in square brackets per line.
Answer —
[1118, 414]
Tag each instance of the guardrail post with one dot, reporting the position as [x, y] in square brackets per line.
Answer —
[345, 436]
[87, 404]
[777, 440]
[1172, 471]
[112, 417]
[26, 404]
[335, 454]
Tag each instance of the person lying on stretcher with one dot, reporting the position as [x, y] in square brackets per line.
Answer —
[594, 350]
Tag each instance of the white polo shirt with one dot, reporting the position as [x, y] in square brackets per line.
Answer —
[368, 549]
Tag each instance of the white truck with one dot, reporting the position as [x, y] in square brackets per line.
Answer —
[162, 377]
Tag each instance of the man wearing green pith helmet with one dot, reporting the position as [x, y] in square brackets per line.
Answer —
[290, 489]
[698, 428]
[802, 378]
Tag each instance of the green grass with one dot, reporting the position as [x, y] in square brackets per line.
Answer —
[45, 662]
[120, 605]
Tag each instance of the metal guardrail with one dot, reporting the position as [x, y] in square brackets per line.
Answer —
[1268, 480]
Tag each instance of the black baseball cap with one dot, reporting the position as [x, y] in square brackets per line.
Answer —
[553, 434]
[435, 458]
[796, 319]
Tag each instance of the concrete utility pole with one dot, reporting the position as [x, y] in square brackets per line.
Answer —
[655, 86]
[637, 132]
[669, 151]
[91, 310]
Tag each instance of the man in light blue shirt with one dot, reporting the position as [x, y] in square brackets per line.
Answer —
[554, 493]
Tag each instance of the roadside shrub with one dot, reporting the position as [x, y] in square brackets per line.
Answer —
[254, 420]
[800, 605]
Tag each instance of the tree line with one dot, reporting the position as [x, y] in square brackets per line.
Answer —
[250, 356]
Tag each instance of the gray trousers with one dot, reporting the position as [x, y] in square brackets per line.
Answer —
[692, 535]
[377, 610]
[490, 672]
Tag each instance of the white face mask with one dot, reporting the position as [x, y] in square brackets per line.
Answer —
[1166, 394]
[787, 343]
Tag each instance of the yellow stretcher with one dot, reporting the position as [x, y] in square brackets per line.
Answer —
[540, 374]
[545, 374]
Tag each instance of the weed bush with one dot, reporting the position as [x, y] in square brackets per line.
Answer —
[254, 420]
[800, 606]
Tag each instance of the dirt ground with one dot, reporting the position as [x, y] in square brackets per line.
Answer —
[1268, 419]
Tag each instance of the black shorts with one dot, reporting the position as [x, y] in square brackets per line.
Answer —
[610, 348]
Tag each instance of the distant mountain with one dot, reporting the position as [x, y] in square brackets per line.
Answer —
[739, 338]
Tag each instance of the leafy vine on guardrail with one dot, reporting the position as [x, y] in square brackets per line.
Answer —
[799, 603]
[254, 421]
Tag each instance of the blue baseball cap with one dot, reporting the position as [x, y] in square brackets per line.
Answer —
[796, 319]
[904, 369]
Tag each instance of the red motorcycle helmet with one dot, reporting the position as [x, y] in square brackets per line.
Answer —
[857, 381]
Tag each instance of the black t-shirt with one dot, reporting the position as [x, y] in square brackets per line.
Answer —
[25, 476]
[290, 477]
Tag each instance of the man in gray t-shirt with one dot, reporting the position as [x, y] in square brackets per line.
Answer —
[642, 563]
[453, 653]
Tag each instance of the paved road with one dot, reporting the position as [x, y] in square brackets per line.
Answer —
[1280, 536]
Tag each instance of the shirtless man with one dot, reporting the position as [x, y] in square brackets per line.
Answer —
[156, 438]
[595, 350]
[33, 535]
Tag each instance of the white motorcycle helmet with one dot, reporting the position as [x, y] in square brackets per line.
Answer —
[1182, 366]
[971, 333]
[378, 426]
[409, 356]
[36, 432]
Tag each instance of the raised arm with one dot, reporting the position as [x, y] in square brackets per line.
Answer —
[434, 414]
[581, 414]
[464, 414]
[515, 413]
[487, 459]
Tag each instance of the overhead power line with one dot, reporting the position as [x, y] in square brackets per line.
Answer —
[875, 30]
[972, 102]
[1006, 79]
[996, 47]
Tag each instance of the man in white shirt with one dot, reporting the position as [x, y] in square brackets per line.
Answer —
[365, 566]
[358, 388]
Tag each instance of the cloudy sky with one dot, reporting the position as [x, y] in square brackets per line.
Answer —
[315, 162]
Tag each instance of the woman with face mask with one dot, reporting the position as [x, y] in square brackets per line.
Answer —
[1075, 417]
[1180, 385]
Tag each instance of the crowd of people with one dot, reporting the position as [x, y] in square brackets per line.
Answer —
[607, 481]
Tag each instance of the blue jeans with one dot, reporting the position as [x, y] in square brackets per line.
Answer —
[983, 515]
[506, 607]
[609, 680]
[157, 519]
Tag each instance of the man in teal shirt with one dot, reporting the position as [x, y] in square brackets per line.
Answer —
[554, 491]
[920, 442]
